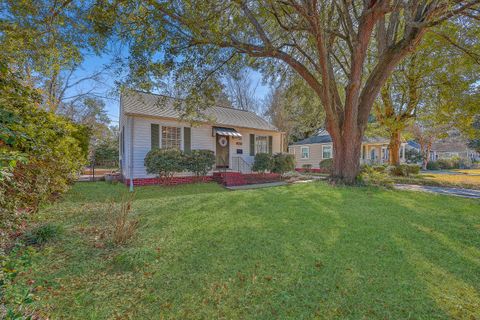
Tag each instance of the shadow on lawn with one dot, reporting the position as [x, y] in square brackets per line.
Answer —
[287, 252]
[317, 260]
[100, 191]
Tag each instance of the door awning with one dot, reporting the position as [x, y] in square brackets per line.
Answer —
[226, 132]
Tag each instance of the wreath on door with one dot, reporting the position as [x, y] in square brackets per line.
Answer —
[222, 141]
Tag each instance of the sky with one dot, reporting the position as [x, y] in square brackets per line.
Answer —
[106, 86]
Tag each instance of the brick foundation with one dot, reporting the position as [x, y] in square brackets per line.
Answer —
[225, 178]
[172, 181]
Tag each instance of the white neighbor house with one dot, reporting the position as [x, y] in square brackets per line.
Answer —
[312, 150]
[148, 121]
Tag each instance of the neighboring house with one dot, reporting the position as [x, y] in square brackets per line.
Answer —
[314, 149]
[150, 121]
[452, 148]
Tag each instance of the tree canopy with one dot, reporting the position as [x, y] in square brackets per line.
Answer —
[343, 50]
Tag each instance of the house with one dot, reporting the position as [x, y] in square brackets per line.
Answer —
[314, 149]
[151, 121]
[452, 147]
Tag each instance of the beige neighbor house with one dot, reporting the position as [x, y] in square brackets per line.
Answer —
[314, 149]
[151, 121]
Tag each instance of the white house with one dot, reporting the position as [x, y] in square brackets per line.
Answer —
[151, 121]
[312, 150]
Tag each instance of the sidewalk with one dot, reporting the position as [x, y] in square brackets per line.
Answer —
[466, 193]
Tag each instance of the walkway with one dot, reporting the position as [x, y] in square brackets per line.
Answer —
[466, 193]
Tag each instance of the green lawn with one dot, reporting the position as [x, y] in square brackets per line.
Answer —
[295, 252]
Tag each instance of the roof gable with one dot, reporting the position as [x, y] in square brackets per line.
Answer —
[141, 103]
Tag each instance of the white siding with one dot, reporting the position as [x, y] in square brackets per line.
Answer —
[201, 138]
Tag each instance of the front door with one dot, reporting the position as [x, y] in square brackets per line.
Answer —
[222, 152]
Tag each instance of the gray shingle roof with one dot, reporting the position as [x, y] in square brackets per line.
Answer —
[325, 138]
[141, 103]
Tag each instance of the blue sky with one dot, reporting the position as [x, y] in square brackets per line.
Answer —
[107, 89]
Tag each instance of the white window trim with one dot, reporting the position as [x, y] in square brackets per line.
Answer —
[301, 152]
[266, 139]
[331, 151]
[170, 126]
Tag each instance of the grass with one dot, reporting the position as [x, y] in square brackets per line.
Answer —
[294, 252]
[462, 180]
[468, 180]
[468, 171]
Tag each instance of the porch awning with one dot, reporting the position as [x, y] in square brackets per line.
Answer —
[226, 132]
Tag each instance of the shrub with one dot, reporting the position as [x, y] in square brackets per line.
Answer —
[370, 177]
[199, 161]
[464, 163]
[433, 165]
[164, 162]
[326, 164]
[283, 162]
[42, 234]
[380, 168]
[413, 156]
[307, 168]
[262, 162]
[413, 169]
[41, 153]
[404, 170]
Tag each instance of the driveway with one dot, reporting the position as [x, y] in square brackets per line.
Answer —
[466, 193]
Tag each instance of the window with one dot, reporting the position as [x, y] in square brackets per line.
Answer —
[261, 144]
[326, 152]
[305, 152]
[171, 137]
[384, 153]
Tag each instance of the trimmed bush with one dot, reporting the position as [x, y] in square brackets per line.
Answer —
[199, 161]
[283, 162]
[262, 162]
[164, 162]
[433, 165]
[326, 164]
[306, 167]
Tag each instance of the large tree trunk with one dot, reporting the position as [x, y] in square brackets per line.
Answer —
[346, 155]
[394, 147]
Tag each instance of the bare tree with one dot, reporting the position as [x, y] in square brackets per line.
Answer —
[241, 90]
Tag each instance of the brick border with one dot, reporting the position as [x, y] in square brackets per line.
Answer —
[227, 179]
[168, 182]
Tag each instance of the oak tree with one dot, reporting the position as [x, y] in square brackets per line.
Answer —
[327, 43]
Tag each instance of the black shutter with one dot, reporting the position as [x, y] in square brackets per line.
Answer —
[252, 144]
[155, 135]
[270, 143]
[187, 139]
